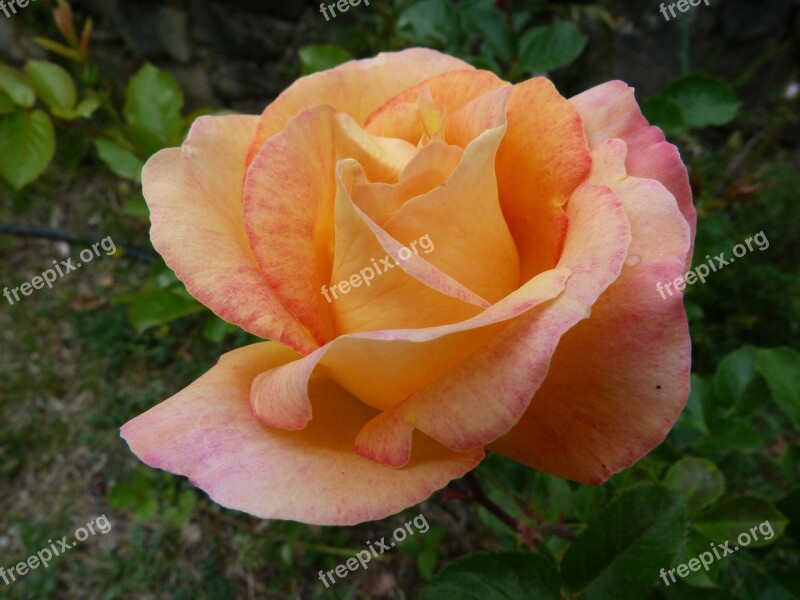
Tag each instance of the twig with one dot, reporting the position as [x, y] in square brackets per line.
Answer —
[518, 526]
[62, 236]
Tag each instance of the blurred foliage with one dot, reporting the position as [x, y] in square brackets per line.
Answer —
[731, 463]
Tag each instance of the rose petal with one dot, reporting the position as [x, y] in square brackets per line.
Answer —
[485, 395]
[610, 111]
[357, 88]
[288, 206]
[619, 379]
[381, 368]
[463, 219]
[430, 167]
[541, 161]
[195, 198]
[206, 433]
[401, 116]
[410, 293]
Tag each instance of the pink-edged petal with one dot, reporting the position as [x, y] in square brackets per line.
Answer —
[610, 111]
[484, 396]
[206, 432]
[357, 88]
[619, 379]
[288, 207]
[195, 198]
[382, 368]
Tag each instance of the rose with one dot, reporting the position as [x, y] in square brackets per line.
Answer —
[533, 328]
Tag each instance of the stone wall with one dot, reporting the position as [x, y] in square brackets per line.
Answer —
[235, 53]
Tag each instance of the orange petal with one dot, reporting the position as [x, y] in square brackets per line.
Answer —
[484, 396]
[206, 433]
[288, 207]
[195, 198]
[537, 172]
[356, 88]
[619, 379]
[392, 288]
[381, 368]
[402, 116]
[463, 217]
[430, 167]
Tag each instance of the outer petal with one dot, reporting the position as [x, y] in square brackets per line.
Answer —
[207, 433]
[356, 88]
[195, 199]
[382, 368]
[610, 111]
[619, 379]
[485, 395]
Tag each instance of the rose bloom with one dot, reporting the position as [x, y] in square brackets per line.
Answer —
[532, 329]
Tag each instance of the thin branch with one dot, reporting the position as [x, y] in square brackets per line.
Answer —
[63, 236]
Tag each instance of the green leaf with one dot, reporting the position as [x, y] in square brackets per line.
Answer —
[553, 496]
[85, 109]
[665, 113]
[588, 500]
[496, 576]
[734, 373]
[698, 480]
[735, 516]
[426, 563]
[428, 23]
[321, 57]
[704, 100]
[550, 47]
[703, 577]
[158, 307]
[121, 161]
[620, 554]
[27, 145]
[789, 505]
[6, 103]
[13, 83]
[53, 84]
[179, 515]
[489, 25]
[215, 329]
[731, 434]
[153, 103]
[699, 404]
[136, 206]
[780, 367]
